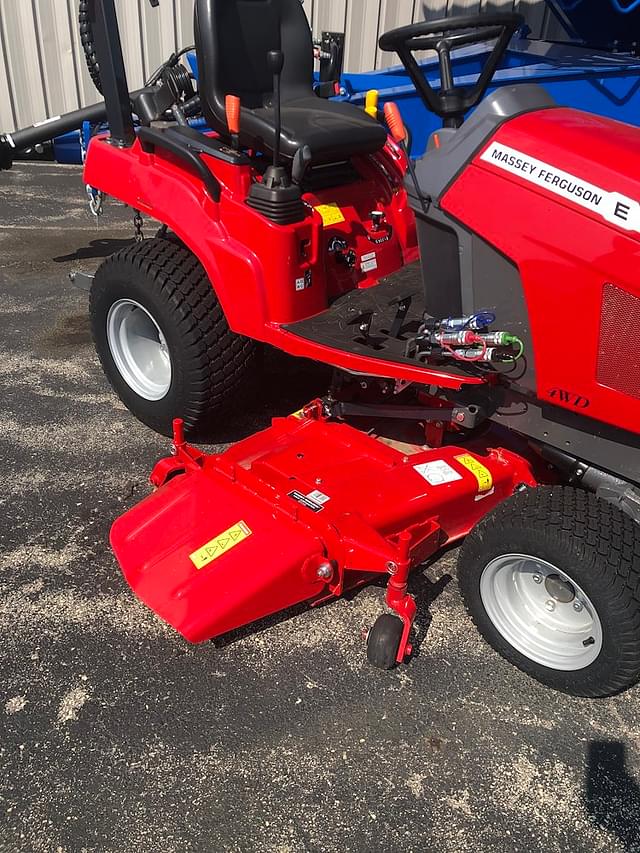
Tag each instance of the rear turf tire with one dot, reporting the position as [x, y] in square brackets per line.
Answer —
[208, 362]
[590, 542]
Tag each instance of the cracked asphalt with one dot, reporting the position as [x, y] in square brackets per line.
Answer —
[115, 735]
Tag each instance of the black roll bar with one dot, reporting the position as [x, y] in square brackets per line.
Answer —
[113, 76]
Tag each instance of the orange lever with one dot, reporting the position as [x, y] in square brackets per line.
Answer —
[394, 121]
[232, 109]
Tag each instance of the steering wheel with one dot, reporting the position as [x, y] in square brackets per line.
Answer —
[451, 102]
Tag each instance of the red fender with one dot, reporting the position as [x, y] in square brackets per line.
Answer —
[158, 185]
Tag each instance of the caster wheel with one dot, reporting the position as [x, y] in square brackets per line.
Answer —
[384, 640]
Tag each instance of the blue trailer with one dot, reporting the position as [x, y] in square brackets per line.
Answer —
[604, 83]
[597, 71]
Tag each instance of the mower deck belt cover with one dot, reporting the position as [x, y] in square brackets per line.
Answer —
[299, 512]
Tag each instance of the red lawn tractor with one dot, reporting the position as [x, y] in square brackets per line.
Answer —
[481, 308]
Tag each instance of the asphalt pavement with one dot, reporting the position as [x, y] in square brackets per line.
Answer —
[115, 735]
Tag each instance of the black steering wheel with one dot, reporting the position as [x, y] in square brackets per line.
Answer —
[451, 102]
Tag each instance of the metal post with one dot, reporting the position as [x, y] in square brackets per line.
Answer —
[102, 14]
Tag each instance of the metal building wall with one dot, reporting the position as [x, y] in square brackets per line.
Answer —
[42, 71]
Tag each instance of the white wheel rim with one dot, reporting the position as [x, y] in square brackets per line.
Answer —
[139, 349]
[528, 601]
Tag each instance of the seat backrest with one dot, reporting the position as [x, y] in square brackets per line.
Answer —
[233, 38]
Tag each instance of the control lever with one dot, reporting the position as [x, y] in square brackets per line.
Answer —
[276, 197]
[275, 61]
[399, 133]
[232, 109]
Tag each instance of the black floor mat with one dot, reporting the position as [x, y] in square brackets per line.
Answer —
[377, 322]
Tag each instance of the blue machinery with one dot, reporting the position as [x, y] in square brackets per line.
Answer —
[598, 71]
[604, 83]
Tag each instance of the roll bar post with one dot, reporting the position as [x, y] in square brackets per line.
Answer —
[103, 17]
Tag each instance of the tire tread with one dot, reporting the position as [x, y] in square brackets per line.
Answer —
[598, 533]
[218, 358]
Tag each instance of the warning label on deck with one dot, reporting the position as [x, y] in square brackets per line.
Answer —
[222, 543]
[437, 473]
[306, 500]
[479, 471]
[611, 206]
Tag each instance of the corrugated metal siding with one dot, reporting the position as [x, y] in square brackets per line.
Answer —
[42, 70]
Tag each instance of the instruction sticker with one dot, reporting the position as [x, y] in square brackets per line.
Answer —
[437, 473]
[306, 500]
[330, 213]
[304, 281]
[318, 496]
[220, 545]
[479, 471]
[369, 262]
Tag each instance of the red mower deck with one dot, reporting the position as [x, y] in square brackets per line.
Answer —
[302, 511]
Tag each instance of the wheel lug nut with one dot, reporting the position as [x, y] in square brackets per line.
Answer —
[537, 579]
[577, 606]
[550, 605]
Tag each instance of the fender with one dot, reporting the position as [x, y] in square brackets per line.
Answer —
[265, 275]
[164, 188]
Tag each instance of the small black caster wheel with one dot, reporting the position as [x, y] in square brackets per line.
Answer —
[383, 641]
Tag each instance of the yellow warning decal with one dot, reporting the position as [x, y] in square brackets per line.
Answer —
[479, 471]
[330, 213]
[299, 414]
[220, 545]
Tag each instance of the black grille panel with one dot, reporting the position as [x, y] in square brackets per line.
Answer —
[618, 350]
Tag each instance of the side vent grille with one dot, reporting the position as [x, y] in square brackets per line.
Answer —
[619, 347]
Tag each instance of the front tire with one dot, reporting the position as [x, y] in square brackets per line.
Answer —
[551, 578]
[162, 338]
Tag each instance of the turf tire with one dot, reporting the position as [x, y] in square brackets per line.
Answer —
[209, 362]
[595, 544]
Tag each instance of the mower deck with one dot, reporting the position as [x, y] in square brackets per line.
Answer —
[302, 511]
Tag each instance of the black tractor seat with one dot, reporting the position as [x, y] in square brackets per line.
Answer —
[233, 38]
[332, 130]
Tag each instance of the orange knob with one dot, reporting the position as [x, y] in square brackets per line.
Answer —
[232, 108]
[394, 121]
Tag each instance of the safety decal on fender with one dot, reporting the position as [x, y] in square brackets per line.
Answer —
[308, 501]
[437, 473]
[479, 471]
[611, 206]
[330, 213]
[220, 545]
[304, 282]
[369, 262]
